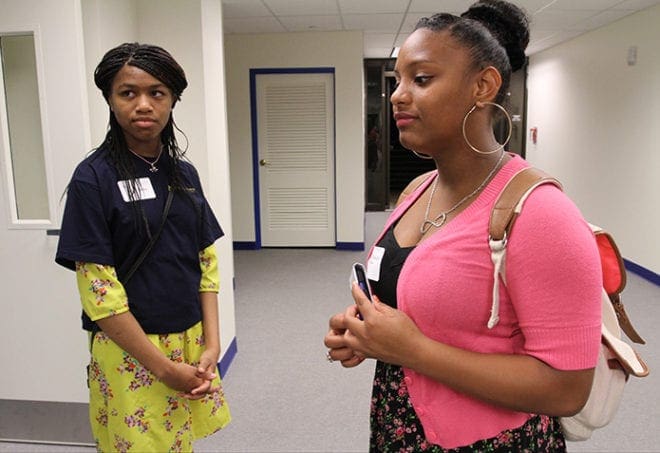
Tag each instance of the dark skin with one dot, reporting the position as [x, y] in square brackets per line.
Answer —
[437, 86]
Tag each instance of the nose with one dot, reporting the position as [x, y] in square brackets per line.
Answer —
[399, 95]
[143, 103]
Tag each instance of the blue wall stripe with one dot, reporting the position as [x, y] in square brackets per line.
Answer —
[646, 274]
[352, 246]
[246, 245]
[226, 360]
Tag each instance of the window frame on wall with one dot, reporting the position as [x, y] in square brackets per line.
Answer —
[15, 193]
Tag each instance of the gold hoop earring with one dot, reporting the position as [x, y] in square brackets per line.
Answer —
[508, 118]
[420, 155]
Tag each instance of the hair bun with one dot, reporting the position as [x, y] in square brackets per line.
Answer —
[507, 23]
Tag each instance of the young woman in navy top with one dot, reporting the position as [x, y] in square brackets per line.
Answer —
[154, 334]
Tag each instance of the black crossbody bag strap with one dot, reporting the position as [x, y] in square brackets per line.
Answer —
[140, 259]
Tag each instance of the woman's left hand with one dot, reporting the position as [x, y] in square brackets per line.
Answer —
[207, 371]
[383, 332]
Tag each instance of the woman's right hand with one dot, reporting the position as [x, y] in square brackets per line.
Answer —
[183, 378]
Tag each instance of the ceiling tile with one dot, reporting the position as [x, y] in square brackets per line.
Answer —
[252, 25]
[558, 19]
[373, 22]
[553, 40]
[439, 6]
[585, 5]
[303, 7]
[532, 6]
[244, 8]
[636, 4]
[311, 23]
[371, 7]
[606, 17]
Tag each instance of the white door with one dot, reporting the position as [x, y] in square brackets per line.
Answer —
[40, 142]
[295, 129]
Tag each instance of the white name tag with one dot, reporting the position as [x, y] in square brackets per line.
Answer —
[145, 191]
[373, 265]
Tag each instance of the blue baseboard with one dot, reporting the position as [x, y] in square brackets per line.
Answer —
[245, 245]
[351, 246]
[646, 274]
[226, 360]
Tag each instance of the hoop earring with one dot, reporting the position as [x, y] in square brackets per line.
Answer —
[420, 155]
[508, 118]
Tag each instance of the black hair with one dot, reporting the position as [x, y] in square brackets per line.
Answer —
[495, 32]
[157, 62]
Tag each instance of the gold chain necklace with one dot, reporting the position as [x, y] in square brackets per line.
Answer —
[441, 218]
[152, 165]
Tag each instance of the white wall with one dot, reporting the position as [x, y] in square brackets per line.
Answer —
[44, 353]
[340, 50]
[598, 125]
[100, 37]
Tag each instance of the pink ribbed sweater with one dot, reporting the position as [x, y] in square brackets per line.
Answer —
[550, 308]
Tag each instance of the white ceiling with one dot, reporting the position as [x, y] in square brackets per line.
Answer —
[387, 23]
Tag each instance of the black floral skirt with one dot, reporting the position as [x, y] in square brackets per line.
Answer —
[396, 428]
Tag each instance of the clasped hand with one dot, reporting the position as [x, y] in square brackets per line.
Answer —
[194, 382]
[379, 332]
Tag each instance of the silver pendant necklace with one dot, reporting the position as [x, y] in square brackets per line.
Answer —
[152, 165]
[441, 218]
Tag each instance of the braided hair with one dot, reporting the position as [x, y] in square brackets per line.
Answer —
[495, 32]
[157, 62]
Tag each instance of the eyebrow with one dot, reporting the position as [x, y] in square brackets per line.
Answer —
[133, 85]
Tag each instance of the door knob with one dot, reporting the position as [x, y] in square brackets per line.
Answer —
[264, 162]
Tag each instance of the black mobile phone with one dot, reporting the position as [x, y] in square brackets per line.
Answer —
[360, 276]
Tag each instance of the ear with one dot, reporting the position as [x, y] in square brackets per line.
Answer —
[488, 84]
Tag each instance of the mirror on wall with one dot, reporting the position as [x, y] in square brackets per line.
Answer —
[21, 138]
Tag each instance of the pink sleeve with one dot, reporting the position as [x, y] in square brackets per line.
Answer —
[554, 280]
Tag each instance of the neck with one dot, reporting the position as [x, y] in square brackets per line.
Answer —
[146, 149]
[462, 169]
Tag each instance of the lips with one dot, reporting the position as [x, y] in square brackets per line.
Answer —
[403, 119]
[144, 122]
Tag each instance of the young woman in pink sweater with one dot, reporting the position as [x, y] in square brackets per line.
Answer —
[444, 379]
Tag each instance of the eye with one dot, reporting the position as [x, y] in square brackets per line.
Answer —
[422, 79]
[158, 93]
[127, 93]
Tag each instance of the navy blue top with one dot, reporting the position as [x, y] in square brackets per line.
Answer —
[100, 227]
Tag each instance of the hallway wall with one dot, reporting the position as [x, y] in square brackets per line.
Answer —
[340, 50]
[597, 120]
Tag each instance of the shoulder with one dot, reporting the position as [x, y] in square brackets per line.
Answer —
[188, 169]
[94, 167]
[413, 185]
[551, 228]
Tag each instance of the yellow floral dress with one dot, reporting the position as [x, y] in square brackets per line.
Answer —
[130, 409]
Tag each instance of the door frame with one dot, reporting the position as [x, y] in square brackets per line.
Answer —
[254, 72]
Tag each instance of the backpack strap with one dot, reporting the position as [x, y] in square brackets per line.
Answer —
[502, 218]
[614, 279]
[505, 212]
[510, 201]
